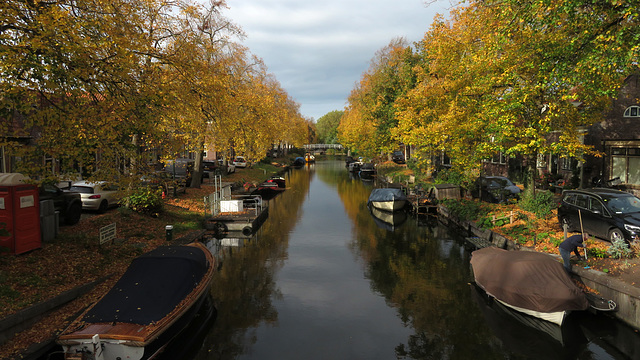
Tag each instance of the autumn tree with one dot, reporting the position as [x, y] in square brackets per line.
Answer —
[493, 82]
[327, 127]
[370, 114]
[83, 74]
[97, 86]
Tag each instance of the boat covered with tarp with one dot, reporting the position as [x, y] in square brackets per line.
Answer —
[387, 199]
[531, 282]
[153, 302]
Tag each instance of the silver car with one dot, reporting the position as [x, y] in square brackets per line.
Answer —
[97, 195]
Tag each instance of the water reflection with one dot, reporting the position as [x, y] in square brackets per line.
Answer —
[321, 280]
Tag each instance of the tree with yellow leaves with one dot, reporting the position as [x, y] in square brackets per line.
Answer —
[370, 114]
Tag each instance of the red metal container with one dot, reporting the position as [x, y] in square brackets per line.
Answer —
[20, 214]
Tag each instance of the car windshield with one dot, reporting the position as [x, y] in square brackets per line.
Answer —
[500, 182]
[624, 204]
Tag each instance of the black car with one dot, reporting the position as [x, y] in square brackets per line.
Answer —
[397, 157]
[209, 169]
[605, 213]
[67, 203]
[495, 189]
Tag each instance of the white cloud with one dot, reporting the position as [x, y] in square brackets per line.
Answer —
[318, 49]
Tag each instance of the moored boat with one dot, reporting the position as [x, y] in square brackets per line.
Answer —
[527, 281]
[367, 170]
[298, 162]
[153, 302]
[278, 180]
[387, 199]
[309, 158]
[268, 188]
[354, 166]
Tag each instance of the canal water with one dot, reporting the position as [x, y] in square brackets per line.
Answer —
[324, 278]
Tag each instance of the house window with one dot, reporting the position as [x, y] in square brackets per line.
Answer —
[625, 164]
[632, 111]
[541, 162]
[499, 158]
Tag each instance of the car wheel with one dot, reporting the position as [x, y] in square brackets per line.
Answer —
[103, 207]
[615, 234]
[72, 216]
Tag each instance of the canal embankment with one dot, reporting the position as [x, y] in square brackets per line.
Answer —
[625, 295]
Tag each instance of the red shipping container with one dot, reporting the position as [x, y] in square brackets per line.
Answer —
[20, 212]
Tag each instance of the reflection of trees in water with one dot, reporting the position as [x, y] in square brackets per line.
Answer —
[244, 286]
[422, 275]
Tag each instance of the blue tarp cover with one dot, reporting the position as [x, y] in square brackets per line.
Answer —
[386, 194]
[153, 285]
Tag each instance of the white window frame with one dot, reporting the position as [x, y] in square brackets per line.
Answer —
[632, 111]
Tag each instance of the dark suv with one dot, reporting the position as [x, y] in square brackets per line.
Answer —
[605, 213]
[67, 203]
[398, 157]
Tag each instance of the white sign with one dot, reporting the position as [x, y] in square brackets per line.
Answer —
[1, 203]
[27, 201]
[107, 233]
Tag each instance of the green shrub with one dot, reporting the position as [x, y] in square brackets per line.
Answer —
[619, 249]
[597, 253]
[145, 200]
[450, 176]
[542, 204]
[465, 209]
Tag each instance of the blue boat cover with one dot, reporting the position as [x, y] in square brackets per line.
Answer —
[387, 194]
[153, 285]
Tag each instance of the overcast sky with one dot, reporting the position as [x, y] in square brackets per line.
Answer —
[319, 49]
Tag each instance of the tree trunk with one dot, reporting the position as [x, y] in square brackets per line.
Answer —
[196, 177]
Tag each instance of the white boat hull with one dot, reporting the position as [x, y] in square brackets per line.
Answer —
[556, 317]
[393, 205]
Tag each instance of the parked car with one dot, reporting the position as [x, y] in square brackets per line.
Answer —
[231, 168]
[181, 170]
[495, 189]
[98, 195]
[605, 213]
[209, 168]
[398, 157]
[240, 162]
[67, 203]
[159, 180]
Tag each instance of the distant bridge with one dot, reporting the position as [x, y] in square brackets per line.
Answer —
[322, 146]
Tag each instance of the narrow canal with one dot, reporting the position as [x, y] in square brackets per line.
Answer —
[323, 279]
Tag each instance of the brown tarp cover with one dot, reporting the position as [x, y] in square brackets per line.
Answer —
[526, 279]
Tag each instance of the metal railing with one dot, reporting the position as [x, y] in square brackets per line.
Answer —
[323, 146]
[250, 203]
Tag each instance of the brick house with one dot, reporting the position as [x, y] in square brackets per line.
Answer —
[617, 138]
